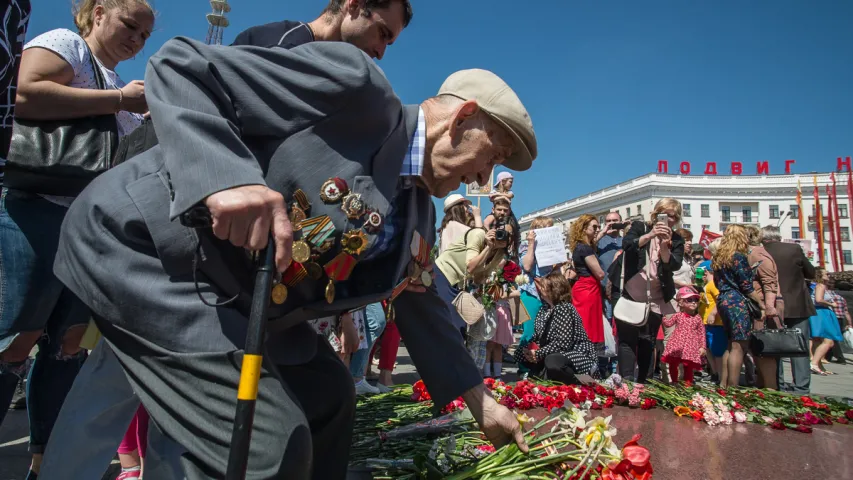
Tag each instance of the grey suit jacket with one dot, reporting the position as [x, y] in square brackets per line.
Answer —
[289, 119]
[794, 269]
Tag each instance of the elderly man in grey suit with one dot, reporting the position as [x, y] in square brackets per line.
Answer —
[313, 147]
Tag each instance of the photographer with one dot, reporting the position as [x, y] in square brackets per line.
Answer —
[475, 256]
[665, 249]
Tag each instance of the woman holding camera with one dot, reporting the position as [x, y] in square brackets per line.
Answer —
[652, 253]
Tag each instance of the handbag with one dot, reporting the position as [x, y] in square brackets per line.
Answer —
[629, 311]
[785, 342]
[61, 157]
[468, 307]
[485, 328]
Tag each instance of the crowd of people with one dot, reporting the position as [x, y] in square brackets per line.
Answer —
[139, 319]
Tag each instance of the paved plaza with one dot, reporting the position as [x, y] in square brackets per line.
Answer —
[14, 458]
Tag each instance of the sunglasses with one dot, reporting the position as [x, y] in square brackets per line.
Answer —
[691, 299]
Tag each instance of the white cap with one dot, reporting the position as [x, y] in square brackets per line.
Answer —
[452, 200]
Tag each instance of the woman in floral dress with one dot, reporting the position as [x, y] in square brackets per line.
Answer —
[733, 278]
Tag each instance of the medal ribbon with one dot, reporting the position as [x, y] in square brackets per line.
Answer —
[340, 267]
[317, 229]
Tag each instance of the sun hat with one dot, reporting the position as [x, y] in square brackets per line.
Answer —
[687, 292]
[452, 200]
[501, 103]
[501, 177]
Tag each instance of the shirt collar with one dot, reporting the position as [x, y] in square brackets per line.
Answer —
[413, 162]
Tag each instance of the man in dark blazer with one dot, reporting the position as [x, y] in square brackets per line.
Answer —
[259, 137]
[794, 269]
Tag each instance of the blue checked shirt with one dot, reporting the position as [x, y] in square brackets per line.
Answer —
[413, 167]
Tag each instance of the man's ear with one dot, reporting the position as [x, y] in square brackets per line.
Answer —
[352, 7]
[466, 111]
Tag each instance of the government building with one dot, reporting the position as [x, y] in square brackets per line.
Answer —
[713, 202]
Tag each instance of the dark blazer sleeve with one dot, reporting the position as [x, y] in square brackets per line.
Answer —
[205, 99]
[435, 345]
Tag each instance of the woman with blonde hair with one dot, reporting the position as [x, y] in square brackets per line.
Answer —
[733, 278]
[64, 76]
[586, 291]
[664, 249]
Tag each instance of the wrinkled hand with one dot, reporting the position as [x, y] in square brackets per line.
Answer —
[246, 215]
[133, 97]
[500, 425]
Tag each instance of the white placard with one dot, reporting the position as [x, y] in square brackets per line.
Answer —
[550, 246]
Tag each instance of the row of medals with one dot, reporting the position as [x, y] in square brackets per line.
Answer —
[317, 239]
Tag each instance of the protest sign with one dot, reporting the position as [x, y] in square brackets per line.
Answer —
[550, 246]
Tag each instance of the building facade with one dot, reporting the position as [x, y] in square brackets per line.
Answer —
[713, 202]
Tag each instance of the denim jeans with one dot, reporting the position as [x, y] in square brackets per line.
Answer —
[33, 299]
[375, 317]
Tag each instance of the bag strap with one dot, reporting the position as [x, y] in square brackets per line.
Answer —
[96, 68]
[648, 277]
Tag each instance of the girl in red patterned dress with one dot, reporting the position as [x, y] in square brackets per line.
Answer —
[686, 346]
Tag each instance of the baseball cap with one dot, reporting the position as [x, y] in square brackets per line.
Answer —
[687, 292]
[501, 177]
[495, 97]
[452, 200]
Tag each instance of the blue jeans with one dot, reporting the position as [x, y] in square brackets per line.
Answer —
[375, 317]
[33, 299]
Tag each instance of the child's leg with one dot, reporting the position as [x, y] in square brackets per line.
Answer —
[128, 454]
[142, 430]
[673, 370]
[688, 373]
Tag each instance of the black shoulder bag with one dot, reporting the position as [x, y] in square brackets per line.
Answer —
[61, 157]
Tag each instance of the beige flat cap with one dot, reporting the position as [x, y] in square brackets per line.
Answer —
[495, 97]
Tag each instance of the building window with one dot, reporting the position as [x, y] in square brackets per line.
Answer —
[727, 214]
[685, 226]
[795, 211]
[628, 212]
[845, 234]
[601, 219]
[842, 211]
[795, 233]
[747, 214]
[774, 211]
[639, 209]
[706, 210]
[847, 257]
[686, 210]
[706, 227]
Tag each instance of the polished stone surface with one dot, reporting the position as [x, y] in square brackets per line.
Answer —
[682, 448]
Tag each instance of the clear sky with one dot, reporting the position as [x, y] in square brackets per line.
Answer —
[612, 86]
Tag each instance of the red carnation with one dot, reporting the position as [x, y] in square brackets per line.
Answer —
[842, 420]
[803, 428]
[648, 404]
[849, 414]
[419, 392]
[777, 425]
[697, 415]
[608, 403]
[511, 270]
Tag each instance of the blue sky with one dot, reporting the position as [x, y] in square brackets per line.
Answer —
[611, 86]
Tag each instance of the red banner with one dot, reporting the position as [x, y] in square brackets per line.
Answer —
[833, 250]
[821, 258]
[706, 238]
[839, 248]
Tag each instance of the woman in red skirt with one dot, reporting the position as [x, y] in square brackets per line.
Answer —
[586, 292]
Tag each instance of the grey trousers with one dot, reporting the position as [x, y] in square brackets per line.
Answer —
[303, 412]
[799, 365]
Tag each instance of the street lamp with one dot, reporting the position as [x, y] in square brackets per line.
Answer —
[787, 214]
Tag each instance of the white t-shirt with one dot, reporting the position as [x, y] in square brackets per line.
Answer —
[72, 48]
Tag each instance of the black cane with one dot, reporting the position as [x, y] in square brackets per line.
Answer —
[250, 372]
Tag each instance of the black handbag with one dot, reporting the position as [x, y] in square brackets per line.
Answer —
[61, 157]
[786, 342]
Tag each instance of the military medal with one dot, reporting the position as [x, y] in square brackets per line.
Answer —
[414, 270]
[301, 251]
[330, 292]
[340, 267]
[278, 295]
[354, 242]
[373, 222]
[317, 229]
[294, 274]
[314, 271]
[354, 206]
[297, 215]
[326, 246]
[333, 190]
[419, 249]
[426, 278]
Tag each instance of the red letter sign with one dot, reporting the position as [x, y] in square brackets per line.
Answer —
[788, 164]
[662, 166]
[685, 168]
[763, 168]
[711, 168]
[845, 163]
[737, 168]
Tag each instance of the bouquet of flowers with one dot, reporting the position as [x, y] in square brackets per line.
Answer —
[500, 283]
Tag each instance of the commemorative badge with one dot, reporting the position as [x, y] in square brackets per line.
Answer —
[373, 222]
[301, 251]
[354, 242]
[278, 295]
[333, 190]
[353, 206]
